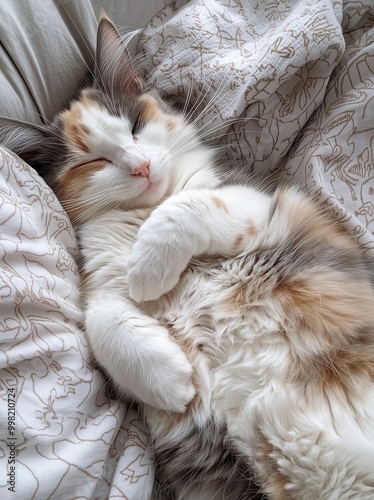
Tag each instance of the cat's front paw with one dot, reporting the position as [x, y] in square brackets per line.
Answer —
[139, 354]
[149, 280]
[156, 260]
[172, 390]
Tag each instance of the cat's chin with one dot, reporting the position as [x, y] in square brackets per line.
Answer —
[153, 192]
[153, 185]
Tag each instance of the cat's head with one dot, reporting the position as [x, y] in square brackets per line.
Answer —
[116, 145]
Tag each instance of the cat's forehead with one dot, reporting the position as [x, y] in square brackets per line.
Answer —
[118, 105]
[92, 115]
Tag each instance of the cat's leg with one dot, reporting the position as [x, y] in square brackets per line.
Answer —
[138, 352]
[221, 221]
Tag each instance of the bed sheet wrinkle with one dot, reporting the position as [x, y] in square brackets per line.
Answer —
[280, 59]
[36, 38]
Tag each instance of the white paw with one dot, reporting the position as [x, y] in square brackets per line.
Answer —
[169, 377]
[156, 260]
[149, 278]
[174, 394]
[139, 354]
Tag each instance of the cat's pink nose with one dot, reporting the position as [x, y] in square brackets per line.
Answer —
[142, 169]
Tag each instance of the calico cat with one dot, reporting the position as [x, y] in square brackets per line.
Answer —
[244, 322]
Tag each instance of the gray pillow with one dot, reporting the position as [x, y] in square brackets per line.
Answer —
[47, 48]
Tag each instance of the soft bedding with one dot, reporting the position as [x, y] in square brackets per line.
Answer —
[70, 437]
[298, 78]
[284, 86]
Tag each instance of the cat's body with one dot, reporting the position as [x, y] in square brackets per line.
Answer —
[281, 339]
[244, 322]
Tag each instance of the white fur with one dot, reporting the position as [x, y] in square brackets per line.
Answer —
[190, 224]
[133, 348]
[323, 443]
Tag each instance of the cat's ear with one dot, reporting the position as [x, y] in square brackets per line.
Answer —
[38, 146]
[114, 73]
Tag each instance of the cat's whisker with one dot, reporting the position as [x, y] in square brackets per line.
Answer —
[90, 203]
[199, 99]
[185, 146]
[233, 132]
[92, 210]
[89, 199]
[214, 101]
[214, 117]
[181, 134]
[177, 136]
[43, 119]
[188, 97]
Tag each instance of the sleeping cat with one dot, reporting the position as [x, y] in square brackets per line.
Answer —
[244, 322]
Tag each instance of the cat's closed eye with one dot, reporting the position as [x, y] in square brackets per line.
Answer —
[137, 125]
[92, 165]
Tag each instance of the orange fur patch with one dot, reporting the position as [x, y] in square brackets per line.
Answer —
[219, 203]
[329, 232]
[74, 131]
[356, 363]
[337, 370]
[152, 112]
[252, 229]
[71, 185]
[238, 243]
[172, 122]
[310, 220]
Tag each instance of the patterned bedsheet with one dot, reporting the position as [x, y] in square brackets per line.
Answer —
[296, 75]
[285, 84]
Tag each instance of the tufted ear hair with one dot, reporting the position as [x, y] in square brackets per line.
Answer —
[41, 147]
[114, 73]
